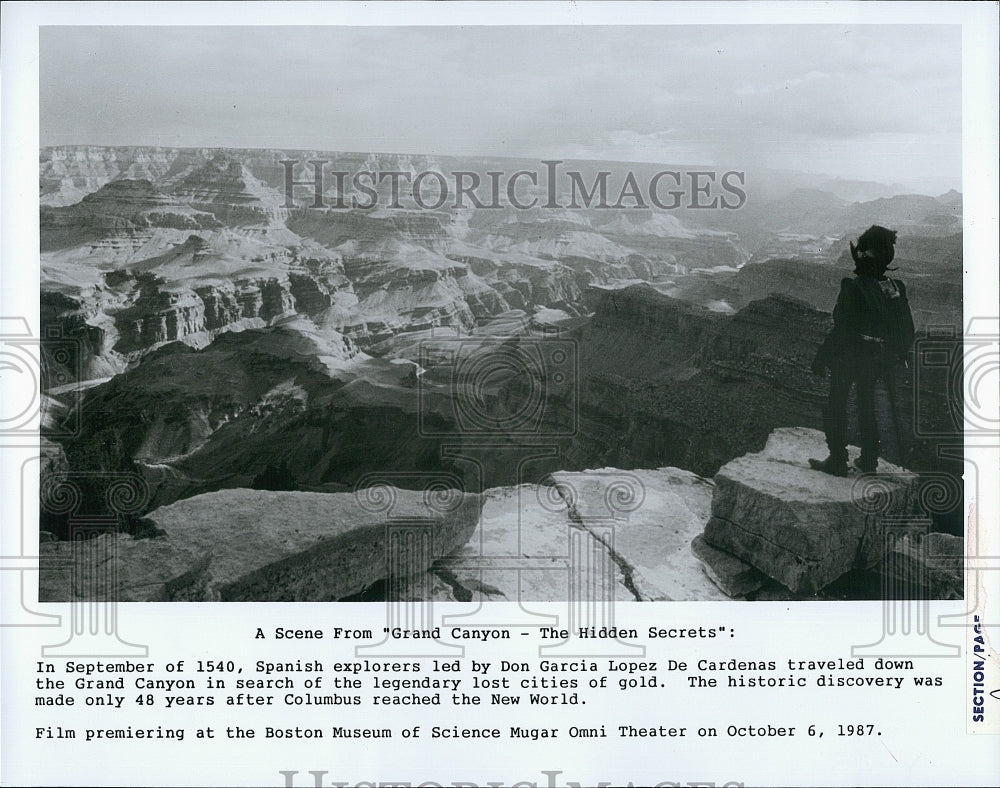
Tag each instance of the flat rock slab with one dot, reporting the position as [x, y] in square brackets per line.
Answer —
[116, 567]
[526, 548]
[798, 526]
[304, 546]
[647, 519]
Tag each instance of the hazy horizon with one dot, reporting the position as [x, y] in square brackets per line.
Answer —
[796, 98]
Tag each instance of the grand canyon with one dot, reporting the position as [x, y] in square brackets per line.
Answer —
[259, 367]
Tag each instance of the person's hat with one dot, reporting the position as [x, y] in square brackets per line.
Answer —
[874, 251]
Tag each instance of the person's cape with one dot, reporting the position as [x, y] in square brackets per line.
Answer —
[858, 305]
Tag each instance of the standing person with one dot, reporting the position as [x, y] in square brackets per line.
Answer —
[872, 332]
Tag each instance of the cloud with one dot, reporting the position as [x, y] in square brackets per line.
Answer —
[704, 93]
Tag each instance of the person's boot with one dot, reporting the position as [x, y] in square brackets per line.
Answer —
[835, 465]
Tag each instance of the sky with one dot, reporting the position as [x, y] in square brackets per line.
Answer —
[870, 102]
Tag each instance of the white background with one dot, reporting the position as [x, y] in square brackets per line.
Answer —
[925, 739]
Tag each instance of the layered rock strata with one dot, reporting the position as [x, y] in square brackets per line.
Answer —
[801, 527]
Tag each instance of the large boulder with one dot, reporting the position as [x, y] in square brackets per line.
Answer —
[116, 567]
[302, 546]
[802, 527]
[257, 545]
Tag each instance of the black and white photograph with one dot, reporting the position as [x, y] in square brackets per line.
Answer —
[566, 296]
[494, 328]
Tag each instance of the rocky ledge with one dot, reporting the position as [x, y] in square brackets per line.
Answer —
[774, 520]
[257, 545]
[587, 536]
[766, 528]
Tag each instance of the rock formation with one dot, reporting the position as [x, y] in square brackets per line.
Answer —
[928, 565]
[144, 570]
[767, 527]
[255, 545]
[648, 381]
[589, 535]
[146, 246]
[595, 534]
[798, 526]
[213, 339]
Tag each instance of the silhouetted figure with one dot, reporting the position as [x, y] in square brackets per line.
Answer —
[872, 332]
